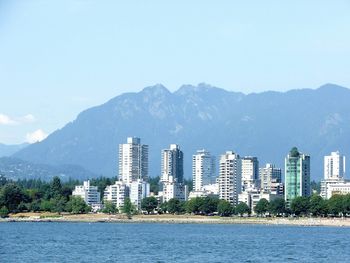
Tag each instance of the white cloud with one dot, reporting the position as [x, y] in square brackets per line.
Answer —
[36, 136]
[7, 120]
[29, 118]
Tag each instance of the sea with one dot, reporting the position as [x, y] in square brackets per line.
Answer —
[151, 242]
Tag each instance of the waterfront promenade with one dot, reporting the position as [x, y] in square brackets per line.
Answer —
[174, 219]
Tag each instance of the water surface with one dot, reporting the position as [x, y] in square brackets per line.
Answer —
[112, 242]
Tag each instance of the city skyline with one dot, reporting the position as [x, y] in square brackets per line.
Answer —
[240, 179]
[174, 131]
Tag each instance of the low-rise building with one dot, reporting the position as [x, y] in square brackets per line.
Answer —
[88, 193]
[138, 191]
[206, 190]
[116, 193]
[331, 187]
[252, 197]
[173, 189]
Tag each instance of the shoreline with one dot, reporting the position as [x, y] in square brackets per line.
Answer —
[175, 219]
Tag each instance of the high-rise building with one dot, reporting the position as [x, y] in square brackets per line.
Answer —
[116, 193]
[334, 166]
[270, 177]
[172, 174]
[88, 193]
[334, 176]
[250, 172]
[133, 160]
[297, 175]
[172, 164]
[203, 169]
[230, 177]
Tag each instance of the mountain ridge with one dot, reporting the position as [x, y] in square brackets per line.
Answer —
[10, 149]
[263, 124]
[14, 169]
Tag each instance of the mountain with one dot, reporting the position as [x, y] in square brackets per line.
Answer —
[15, 169]
[8, 150]
[266, 125]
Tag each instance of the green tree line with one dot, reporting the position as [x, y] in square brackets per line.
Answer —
[315, 206]
[56, 196]
[38, 195]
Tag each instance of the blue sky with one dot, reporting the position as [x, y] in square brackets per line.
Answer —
[58, 58]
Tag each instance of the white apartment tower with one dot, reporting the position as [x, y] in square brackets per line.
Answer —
[334, 176]
[334, 166]
[270, 178]
[133, 160]
[250, 172]
[172, 164]
[230, 177]
[172, 174]
[203, 169]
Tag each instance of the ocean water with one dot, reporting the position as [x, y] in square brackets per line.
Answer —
[112, 242]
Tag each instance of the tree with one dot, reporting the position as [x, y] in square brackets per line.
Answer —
[163, 207]
[174, 206]
[346, 204]
[209, 205]
[154, 184]
[109, 208]
[277, 206]
[242, 208]
[262, 206]
[129, 209]
[149, 204]
[66, 192]
[335, 205]
[11, 196]
[46, 205]
[3, 180]
[58, 204]
[194, 205]
[56, 187]
[34, 194]
[317, 205]
[22, 207]
[34, 206]
[315, 186]
[4, 212]
[300, 205]
[224, 208]
[76, 205]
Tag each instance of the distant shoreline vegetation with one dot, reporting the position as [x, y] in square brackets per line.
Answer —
[38, 196]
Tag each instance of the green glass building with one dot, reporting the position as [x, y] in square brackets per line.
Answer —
[297, 175]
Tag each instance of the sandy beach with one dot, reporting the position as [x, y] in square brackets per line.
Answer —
[174, 219]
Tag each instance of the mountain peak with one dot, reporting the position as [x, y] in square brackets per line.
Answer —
[200, 88]
[156, 90]
[331, 87]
